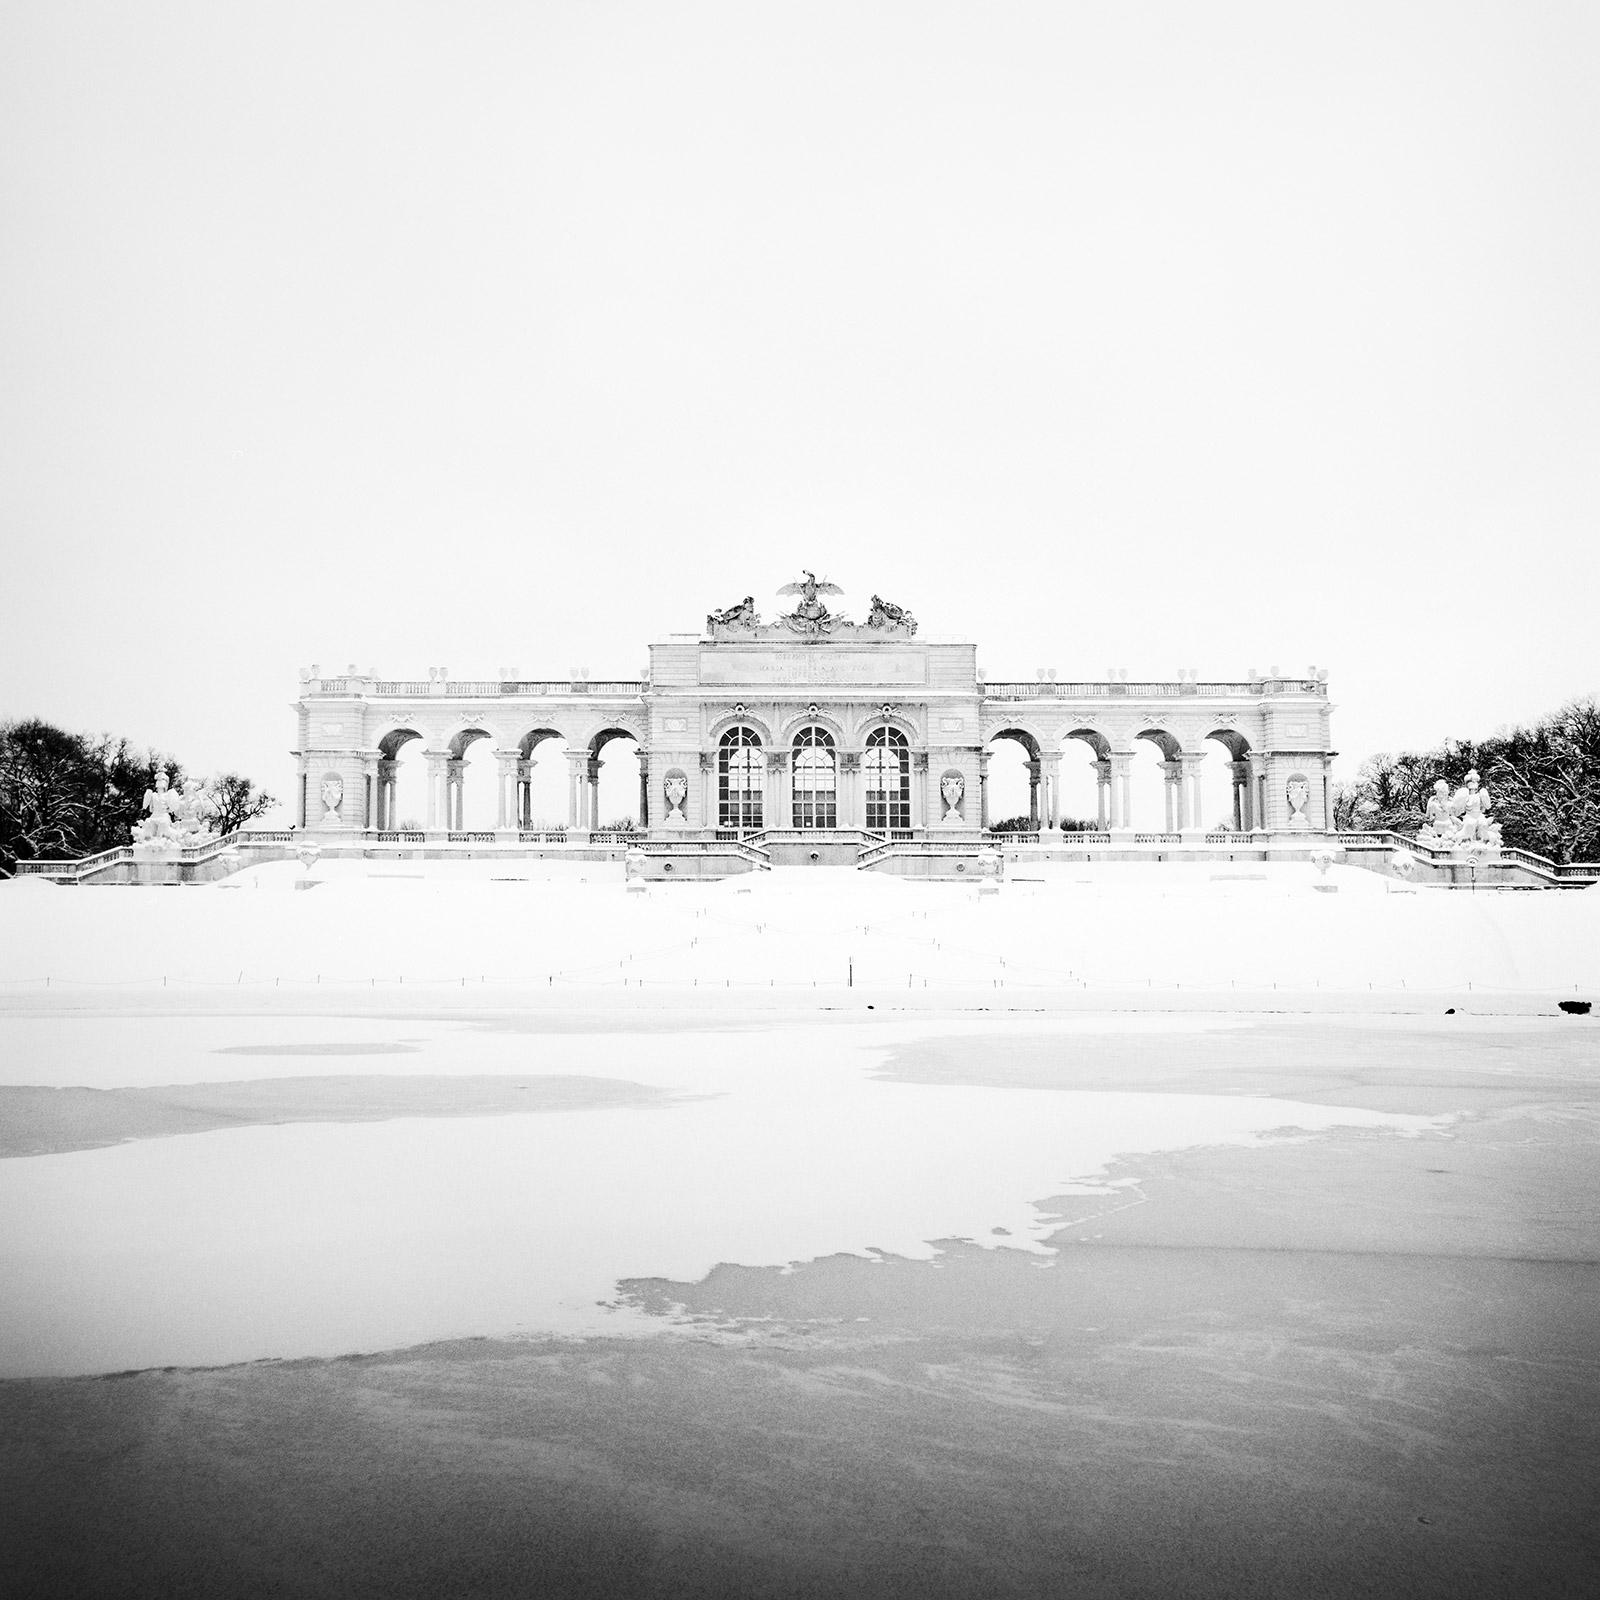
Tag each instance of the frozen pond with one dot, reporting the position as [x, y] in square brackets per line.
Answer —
[305, 1237]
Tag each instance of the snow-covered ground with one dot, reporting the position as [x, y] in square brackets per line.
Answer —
[759, 1141]
[1108, 928]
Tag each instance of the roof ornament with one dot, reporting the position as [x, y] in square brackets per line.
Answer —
[811, 619]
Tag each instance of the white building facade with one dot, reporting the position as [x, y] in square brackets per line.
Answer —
[811, 724]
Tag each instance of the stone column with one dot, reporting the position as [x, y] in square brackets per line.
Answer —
[922, 802]
[525, 768]
[1193, 764]
[591, 802]
[1243, 810]
[371, 786]
[1033, 794]
[1052, 789]
[577, 771]
[437, 763]
[458, 794]
[983, 787]
[643, 819]
[1121, 797]
[1102, 789]
[1260, 803]
[386, 782]
[507, 764]
[847, 774]
[775, 812]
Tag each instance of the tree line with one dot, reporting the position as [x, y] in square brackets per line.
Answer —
[1544, 783]
[64, 795]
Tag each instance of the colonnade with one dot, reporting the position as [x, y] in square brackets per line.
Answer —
[445, 808]
[1184, 790]
[1184, 803]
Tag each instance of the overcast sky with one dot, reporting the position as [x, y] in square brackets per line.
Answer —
[1102, 334]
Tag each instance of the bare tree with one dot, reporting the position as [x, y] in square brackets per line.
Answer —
[237, 801]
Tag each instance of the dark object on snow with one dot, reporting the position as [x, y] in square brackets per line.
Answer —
[1575, 1008]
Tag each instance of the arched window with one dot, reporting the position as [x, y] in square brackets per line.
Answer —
[816, 788]
[887, 770]
[741, 774]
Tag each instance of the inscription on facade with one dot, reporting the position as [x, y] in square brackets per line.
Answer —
[808, 666]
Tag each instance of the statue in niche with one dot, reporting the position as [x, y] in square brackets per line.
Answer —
[675, 787]
[734, 618]
[161, 809]
[332, 795]
[1298, 794]
[890, 618]
[952, 789]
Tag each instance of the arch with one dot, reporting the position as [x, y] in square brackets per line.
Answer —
[1239, 815]
[816, 778]
[1086, 796]
[791, 727]
[1094, 738]
[620, 793]
[723, 725]
[544, 781]
[470, 797]
[607, 734]
[535, 737]
[1168, 743]
[1026, 737]
[741, 778]
[886, 779]
[902, 725]
[401, 796]
[1155, 782]
[463, 741]
[1008, 783]
[390, 745]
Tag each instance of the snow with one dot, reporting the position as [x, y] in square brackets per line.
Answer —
[782, 1146]
[573, 925]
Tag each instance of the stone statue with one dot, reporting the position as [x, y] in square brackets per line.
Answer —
[890, 618]
[1298, 794]
[1475, 827]
[676, 789]
[1460, 821]
[161, 806]
[952, 788]
[742, 615]
[194, 811]
[811, 616]
[1439, 827]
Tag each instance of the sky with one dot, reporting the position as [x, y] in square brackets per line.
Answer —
[477, 335]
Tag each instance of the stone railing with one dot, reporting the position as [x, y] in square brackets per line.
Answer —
[485, 688]
[928, 847]
[73, 869]
[189, 855]
[1170, 690]
[753, 853]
